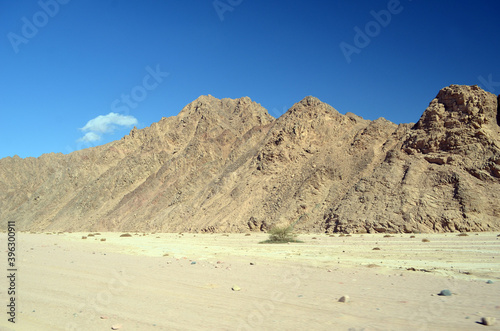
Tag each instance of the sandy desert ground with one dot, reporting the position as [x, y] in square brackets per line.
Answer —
[185, 282]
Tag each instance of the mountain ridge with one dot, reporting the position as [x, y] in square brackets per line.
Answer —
[227, 165]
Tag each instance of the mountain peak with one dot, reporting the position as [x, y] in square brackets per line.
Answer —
[209, 103]
[311, 104]
[310, 101]
[226, 165]
[459, 106]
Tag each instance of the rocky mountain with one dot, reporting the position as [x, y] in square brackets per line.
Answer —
[228, 166]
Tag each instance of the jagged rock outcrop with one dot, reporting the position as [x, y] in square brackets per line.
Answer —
[442, 176]
[227, 165]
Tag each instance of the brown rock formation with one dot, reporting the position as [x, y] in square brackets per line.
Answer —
[227, 165]
[442, 176]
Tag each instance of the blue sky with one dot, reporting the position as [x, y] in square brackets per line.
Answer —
[67, 64]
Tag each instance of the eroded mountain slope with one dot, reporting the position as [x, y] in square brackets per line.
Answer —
[227, 165]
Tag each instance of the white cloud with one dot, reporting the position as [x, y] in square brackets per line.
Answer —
[108, 123]
[90, 136]
[103, 124]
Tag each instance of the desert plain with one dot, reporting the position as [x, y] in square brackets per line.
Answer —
[165, 281]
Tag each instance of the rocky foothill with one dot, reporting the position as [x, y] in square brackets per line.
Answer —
[228, 166]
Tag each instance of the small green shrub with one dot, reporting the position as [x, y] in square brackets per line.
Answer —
[281, 234]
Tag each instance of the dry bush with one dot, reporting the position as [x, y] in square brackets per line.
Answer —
[281, 234]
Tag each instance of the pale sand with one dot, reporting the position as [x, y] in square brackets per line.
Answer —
[66, 283]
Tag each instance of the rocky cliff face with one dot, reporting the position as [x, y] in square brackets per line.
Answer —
[227, 165]
[443, 174]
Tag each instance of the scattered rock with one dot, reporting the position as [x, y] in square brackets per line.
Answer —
[104, 317]
[193, 262]
[116, 327]
[425, 240]
[489, 281]
[376, 249]
[488, 321]
[126, 235]
[252, 263]
[344, 299]
[446, 293]
[236, 288]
